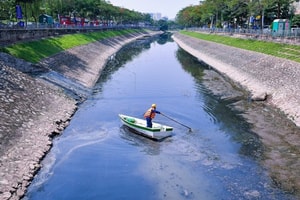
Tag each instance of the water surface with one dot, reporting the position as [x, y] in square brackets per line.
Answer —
[98, 158]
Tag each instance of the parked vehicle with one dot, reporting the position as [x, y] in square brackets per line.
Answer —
[64, 20]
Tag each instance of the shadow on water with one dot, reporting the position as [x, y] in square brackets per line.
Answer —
[221, 110]
[150, 147]
[164, 38]
[128, 53]
[118, 60]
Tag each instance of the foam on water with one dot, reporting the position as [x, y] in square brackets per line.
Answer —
[63, 149]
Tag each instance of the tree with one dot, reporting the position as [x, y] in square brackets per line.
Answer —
[236, 12]
[163, 25]
[7, 10]
[91, 9]
[296, 20]
[189, 16]
[31, 9]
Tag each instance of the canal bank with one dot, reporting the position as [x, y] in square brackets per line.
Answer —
[270, 81]
[267, 78]
[36, 108]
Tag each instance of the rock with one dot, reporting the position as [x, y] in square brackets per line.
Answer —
[20, 193]
[5, 195]
[4, 182]
[259, 96]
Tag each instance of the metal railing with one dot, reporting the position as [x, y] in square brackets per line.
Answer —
[31, 26]
[293, 32]
[287, 36]
[15, 34]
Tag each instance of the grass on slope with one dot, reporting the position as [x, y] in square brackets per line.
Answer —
[34, 51]
[291, 52]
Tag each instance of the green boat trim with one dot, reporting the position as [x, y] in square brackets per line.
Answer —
[131, 121]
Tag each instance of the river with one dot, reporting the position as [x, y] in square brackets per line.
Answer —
[98, 158]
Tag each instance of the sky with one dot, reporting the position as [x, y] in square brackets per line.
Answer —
[167, 8]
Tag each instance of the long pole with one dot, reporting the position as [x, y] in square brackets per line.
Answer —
[190, 129]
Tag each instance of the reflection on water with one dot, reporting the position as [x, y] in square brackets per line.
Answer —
[221, 111]
[150, 147]
[98, 158]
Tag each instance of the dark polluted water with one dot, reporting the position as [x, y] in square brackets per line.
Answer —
[98, 158]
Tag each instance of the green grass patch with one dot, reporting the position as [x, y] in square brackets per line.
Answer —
[35, 51]
[281, 50]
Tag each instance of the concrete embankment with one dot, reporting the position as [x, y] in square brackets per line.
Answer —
[273, 80]
[36, 108]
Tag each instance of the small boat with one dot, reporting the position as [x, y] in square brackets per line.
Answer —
[157, 132]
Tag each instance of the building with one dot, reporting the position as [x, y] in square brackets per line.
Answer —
[297, 7]
[45, 19]
[156, 16]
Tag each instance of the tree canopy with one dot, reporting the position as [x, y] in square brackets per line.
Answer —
[236, 13]
[89, 9]
[210, 13]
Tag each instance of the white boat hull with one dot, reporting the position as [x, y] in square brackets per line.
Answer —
[157, 132]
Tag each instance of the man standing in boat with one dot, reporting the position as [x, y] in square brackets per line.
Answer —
[150, 114]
